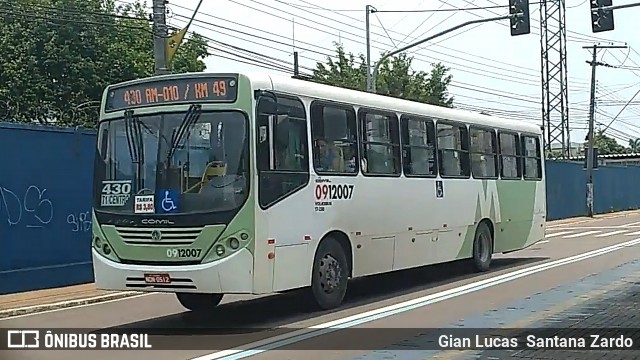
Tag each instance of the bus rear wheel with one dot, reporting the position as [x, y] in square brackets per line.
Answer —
[199, 302]
[482, 248]
[329, 275]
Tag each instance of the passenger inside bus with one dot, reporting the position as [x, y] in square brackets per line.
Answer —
[330, 157]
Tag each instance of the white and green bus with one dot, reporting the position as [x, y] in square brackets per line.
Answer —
[210, 184]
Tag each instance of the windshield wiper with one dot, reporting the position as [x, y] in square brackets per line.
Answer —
[184, 130]
[136, 146]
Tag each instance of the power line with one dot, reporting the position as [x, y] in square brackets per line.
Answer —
[456, 84]
[459, 67]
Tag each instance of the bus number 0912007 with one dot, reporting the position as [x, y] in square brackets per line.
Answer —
[333, 192]
[183, 253]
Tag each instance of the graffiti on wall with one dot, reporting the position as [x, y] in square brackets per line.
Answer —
[80, 222]
[34, 209]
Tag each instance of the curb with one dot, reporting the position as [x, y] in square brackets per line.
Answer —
[66, 304]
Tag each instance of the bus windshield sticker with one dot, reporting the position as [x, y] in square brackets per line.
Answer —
[168, 200]
[115, 193]
[439, 189]
[325, 193]
[144, 204]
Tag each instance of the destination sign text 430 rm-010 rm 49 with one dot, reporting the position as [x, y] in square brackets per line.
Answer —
[173, 91]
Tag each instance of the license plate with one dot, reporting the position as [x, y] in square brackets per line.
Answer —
[157, 278]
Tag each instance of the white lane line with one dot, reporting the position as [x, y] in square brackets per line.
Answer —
[632, 224]
[377, 314]
[557, 234]
[581, 234]
[633, 233]
[611, 233]
[542, 242]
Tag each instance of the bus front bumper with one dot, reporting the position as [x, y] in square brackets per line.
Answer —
[233, 274]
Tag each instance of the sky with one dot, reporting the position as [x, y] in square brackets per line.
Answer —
[492, 71]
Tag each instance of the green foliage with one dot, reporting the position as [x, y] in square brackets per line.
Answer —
[607, 145]
[59, 55]
[395, 77]
[634, 145]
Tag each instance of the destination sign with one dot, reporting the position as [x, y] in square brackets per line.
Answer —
[173, 91]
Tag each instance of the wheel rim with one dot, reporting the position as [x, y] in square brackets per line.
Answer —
[484, 243]
[330, 273]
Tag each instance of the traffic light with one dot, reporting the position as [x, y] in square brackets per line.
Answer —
[520, 25]
[601, 20]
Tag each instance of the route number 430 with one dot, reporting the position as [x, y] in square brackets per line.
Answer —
[116, 189]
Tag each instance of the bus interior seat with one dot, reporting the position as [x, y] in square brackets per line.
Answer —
[213, 169]
[338, 161]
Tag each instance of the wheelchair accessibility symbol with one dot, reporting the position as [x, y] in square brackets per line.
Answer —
[169, 201]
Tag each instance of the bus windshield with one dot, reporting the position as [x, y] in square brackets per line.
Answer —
[187, 162]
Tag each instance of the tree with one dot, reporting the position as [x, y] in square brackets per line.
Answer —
[607, 145]
[634, 145]
[59, 55]
[395, 77]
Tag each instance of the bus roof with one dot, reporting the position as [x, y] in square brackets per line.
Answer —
[361, 98]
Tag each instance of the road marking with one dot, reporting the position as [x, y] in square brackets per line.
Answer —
[558, 234]
[581, 234]
[381, 313]
[66, 305]
[542, 242]
[633, 233]
[611, 233]
[632, 224]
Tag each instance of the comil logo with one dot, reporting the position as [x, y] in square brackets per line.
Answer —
[23, 339]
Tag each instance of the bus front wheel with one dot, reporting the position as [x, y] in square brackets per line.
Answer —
[199, 302]
[482, 248]
[330, 275]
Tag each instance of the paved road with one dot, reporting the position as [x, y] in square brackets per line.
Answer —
[429, 287]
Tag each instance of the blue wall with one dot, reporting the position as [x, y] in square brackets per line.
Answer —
[45, 203]
[615, 189]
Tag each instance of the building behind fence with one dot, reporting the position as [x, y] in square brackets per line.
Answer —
[45, 203]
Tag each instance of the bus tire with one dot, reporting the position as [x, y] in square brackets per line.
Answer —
[199, 302]
[482, 248]
[330, 275]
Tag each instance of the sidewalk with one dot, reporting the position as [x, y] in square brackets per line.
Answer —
[48, 299]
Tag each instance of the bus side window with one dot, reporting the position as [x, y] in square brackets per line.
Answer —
[484, 153]
[380, 142]
[532, 158]
[453, 150]
[510, 154]
[334, 134]
[418, 146]
[282, 151]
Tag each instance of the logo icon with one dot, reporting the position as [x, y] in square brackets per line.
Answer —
[156, 235]
[168, 200]
[23, 339]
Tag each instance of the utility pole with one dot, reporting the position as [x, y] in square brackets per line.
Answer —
[368, 36]
[296, 64]
[160, 35]
[591, 135]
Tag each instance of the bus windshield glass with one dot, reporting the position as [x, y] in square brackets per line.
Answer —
[187, 162]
